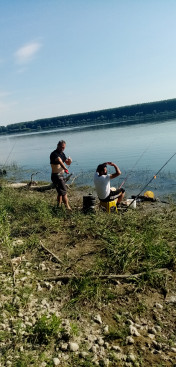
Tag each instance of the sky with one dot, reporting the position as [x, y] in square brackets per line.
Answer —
[60, 57]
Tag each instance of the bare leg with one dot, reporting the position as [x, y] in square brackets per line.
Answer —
[59, 200]
[65, 201]
[120, 197]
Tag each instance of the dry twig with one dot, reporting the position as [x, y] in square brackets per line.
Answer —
[51, 253]
[67, 277]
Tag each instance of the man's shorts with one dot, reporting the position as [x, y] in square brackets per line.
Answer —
[59, 183]
[114, 194]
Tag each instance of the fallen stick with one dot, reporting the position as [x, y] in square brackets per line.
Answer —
[42, 187]
[105, 276]
[51, 253]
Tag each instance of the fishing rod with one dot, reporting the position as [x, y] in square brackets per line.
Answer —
[9, 155]
[154, 177]
[135, 164]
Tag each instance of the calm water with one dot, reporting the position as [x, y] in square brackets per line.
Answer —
[142, 148]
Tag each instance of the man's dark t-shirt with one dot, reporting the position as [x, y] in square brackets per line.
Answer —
[57, 178]
[55, 154]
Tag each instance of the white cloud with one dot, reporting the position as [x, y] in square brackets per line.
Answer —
[26, 53]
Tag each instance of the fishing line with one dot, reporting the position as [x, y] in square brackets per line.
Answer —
[129, 173]
[9, 155]
[154, 177]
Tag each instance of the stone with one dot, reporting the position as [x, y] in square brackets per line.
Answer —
[151, 336]
[100, 341]
[106, 329]
[73, 346]
[56, 361]
[171, 299]
[94, 348]
[116, 348]
[91, 338]
[64, 346]
[129, 340]
[158, 306]
[97, 318]
[83, 354]
[131, 357]
[133, 331]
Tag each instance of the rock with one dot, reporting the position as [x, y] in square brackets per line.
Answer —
[106, 329]
[106, 345]
[151, 336]
[133, 331]
[92, 338]
[94, 348]
[171, 299]
[83, 354]
[129, 340]
[173, 350]
[73, 346]
[39, 288]
[100, 341]
[64, 346]
[120, 356]
[56, 361]
[152, 331]
[131, 357]
[156, 345]
[101, 351]
[158, 306]
[97, 318]
[116, 348]
[130, 322]
[42, 266]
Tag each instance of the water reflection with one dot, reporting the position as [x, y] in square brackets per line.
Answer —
[143, 147]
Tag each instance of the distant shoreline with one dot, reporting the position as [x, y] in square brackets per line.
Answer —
[120, 116]
[120, 123]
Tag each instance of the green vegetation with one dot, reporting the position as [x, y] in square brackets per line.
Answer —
[140, 113]
[42, 287]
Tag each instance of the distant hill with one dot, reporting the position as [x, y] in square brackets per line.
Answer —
[139, 113]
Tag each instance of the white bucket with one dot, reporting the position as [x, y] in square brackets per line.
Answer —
[133, 205]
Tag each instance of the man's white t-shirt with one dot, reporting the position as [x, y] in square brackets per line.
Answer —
[102, 185]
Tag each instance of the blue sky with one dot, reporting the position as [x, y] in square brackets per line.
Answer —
[60, 57]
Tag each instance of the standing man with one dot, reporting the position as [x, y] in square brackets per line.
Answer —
[102, 183]
[57, 161]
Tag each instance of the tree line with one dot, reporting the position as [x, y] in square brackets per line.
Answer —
[139, 113]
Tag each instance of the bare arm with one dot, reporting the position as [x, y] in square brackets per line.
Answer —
[60, 161]
[117, 170]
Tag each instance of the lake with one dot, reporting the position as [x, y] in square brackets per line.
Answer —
[139, 150]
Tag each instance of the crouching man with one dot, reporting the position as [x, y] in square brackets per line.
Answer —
[102, 183]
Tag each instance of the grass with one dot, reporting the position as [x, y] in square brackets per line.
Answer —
[138, 242]
[45, 329]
